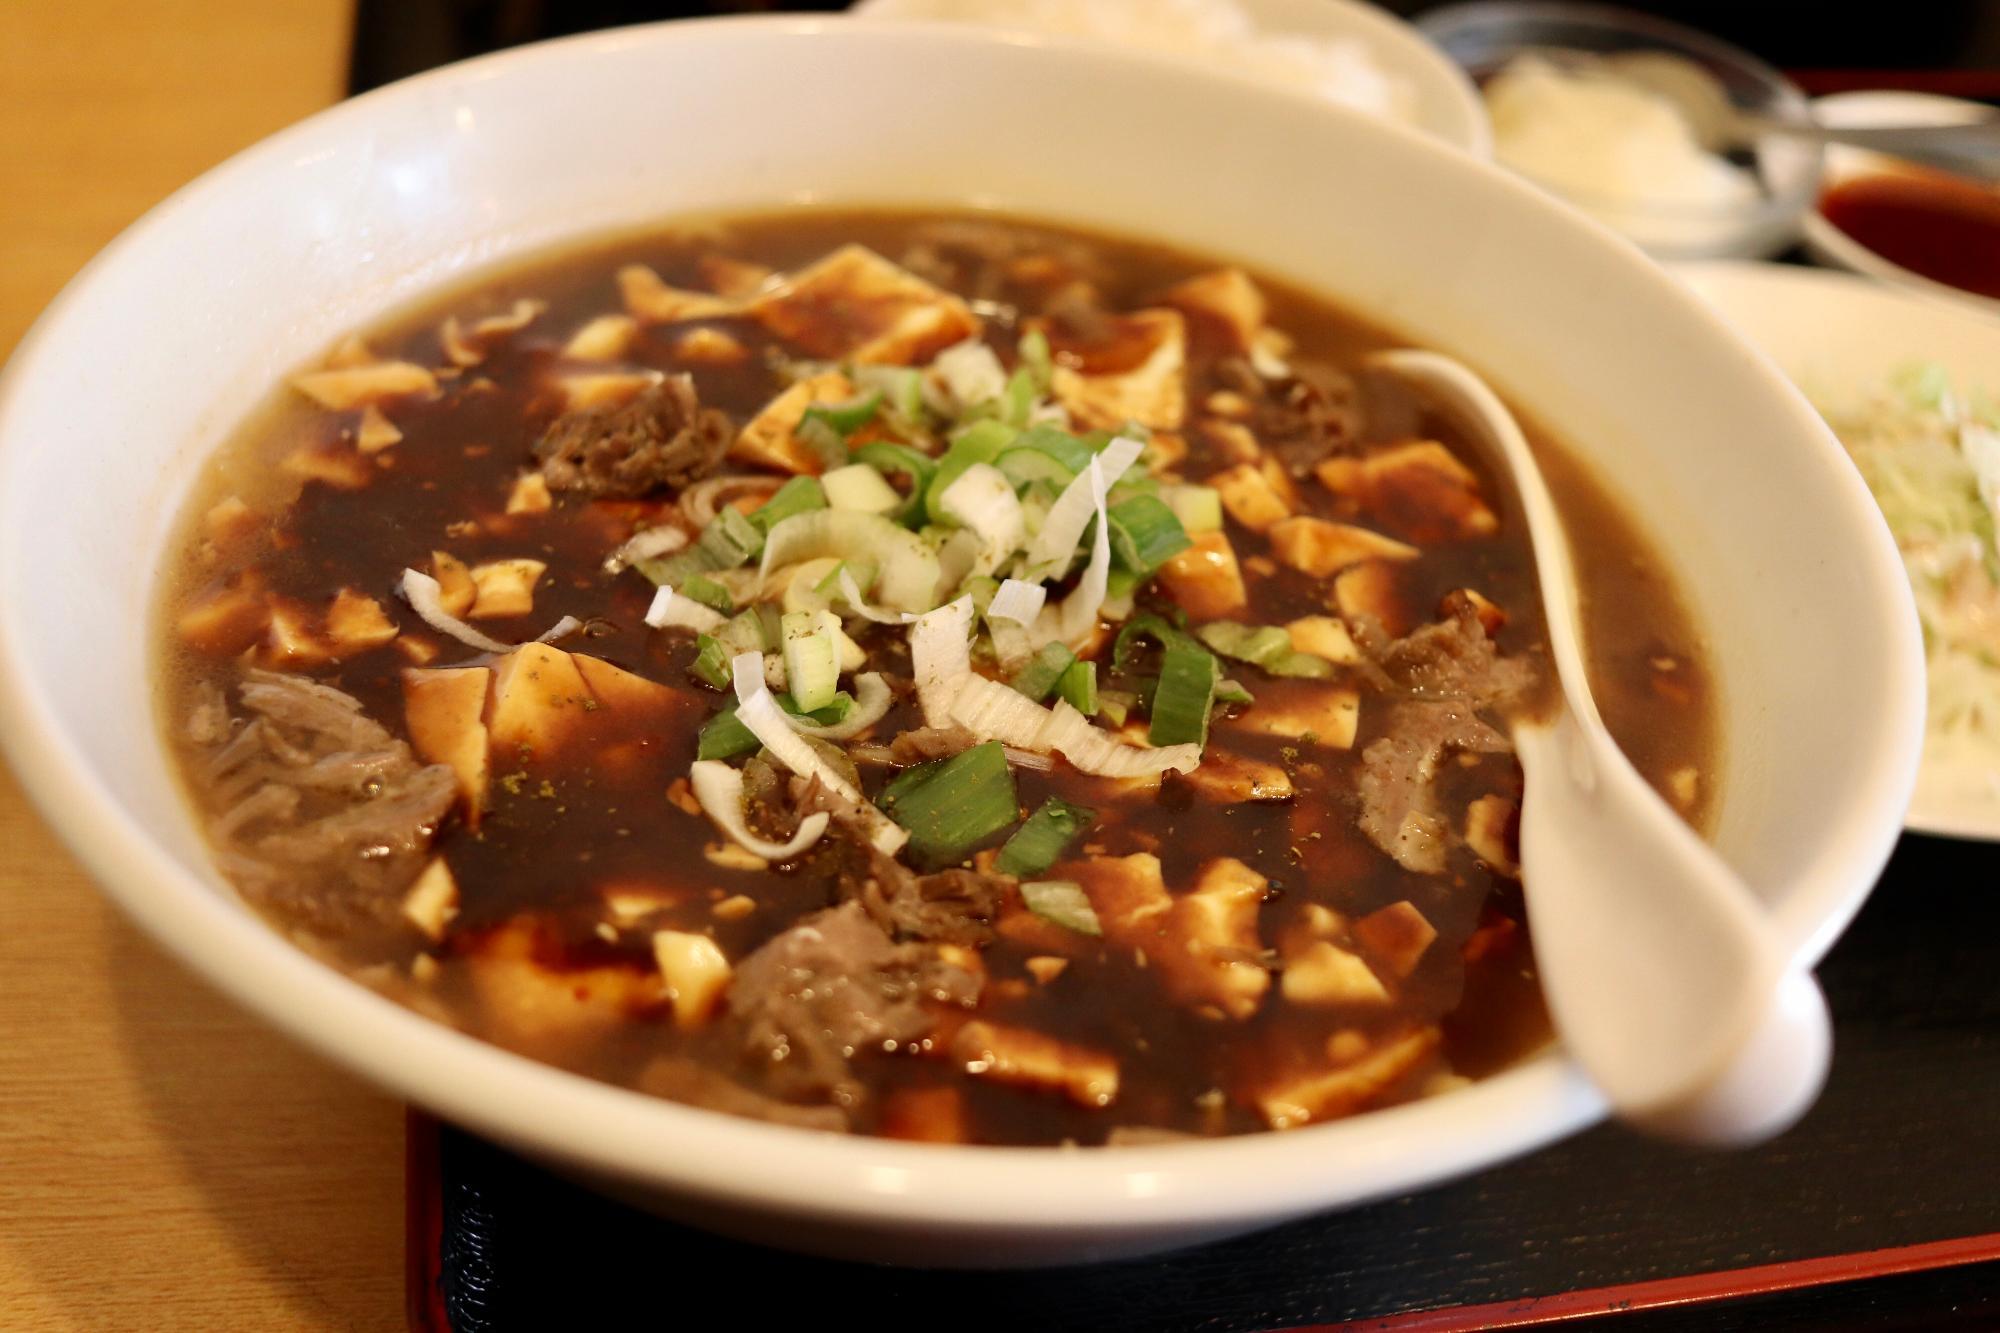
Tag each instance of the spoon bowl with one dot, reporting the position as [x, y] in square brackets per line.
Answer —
[1666, 980]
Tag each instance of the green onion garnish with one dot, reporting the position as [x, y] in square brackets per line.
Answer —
[1018, 399]
[1121, 588]
[1038, 679]
[796, 496]
[952, 805]
[1131, 640]
[1184, 696]
[1072, 452]
[980, 442]
[811, 645]
[1039, 843]
[900, 459]
[725, 736]
[708, 592]
[1233, 692]
[1116, 705]
[711, 662]
[848, 417]
[1078, 687]
[827, 444]
[1036, 358]
[1145, 534]
[903, 385]
[730, 539]
[1264, 646]
[1062, 901]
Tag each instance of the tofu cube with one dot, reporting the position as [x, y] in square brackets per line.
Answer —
[695, 972]
[1320, 548]
[1250, 498]
[1205, 579]
[504, 588]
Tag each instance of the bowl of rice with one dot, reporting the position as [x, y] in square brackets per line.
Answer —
[1343, 52]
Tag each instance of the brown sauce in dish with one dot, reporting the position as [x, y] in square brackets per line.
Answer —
[1940, 226]
[586, 846]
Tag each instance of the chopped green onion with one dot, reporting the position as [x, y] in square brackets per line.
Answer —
[1121, 586]
[903, 386]
[1199, 508]
[730, 539]
[952, 805]
[711, 663]
[1018, 399]
[859, 486]
[906, 567]
[1039, 843]
[1264, 646]
[1029, 467]
[1078, 687]
[1064, 902]
[1072, 452]
[1232, 692]
[797, 496]
[1184, 696]
[1116, 705]
[673, 571]
[812, 657]
[1145, 534]
[1036, 358]
[1038, 679]
[1125, 650]
[848, 417]
[980, 442]
[827, 444]
[742, 632]
[980, 588]
[703, 589]
[894, 459]
[725, 736]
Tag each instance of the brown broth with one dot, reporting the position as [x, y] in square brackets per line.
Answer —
[563, 828]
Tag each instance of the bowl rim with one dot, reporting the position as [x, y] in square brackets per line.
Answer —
[613, 1132]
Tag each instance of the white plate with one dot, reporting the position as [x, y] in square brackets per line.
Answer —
[1830, 329]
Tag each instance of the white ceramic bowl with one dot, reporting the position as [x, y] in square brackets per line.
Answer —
[179, 328]
[1441, 100]
[1832, 246]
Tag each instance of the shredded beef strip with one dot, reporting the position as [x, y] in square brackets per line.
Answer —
[1302, 418]
[663, 437]
[1449, 671]
[817, 995]
[305, 780]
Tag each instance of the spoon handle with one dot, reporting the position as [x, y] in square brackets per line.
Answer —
[1971, 149]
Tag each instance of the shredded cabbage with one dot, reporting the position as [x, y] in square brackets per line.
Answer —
[1932, 458]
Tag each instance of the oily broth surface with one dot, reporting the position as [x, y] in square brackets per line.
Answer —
[560, 831]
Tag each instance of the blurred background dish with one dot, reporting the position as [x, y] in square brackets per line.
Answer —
[1927, 230]
[1910, 386]
[1350, 53]
[1579, 108]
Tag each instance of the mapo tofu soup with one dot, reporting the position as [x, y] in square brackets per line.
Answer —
[926, 676]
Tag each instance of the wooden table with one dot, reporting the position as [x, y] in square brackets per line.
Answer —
[168, 1163]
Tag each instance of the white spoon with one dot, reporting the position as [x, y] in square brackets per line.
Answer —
[1664, 975]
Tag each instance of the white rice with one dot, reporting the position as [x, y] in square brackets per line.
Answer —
[1216, 34]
